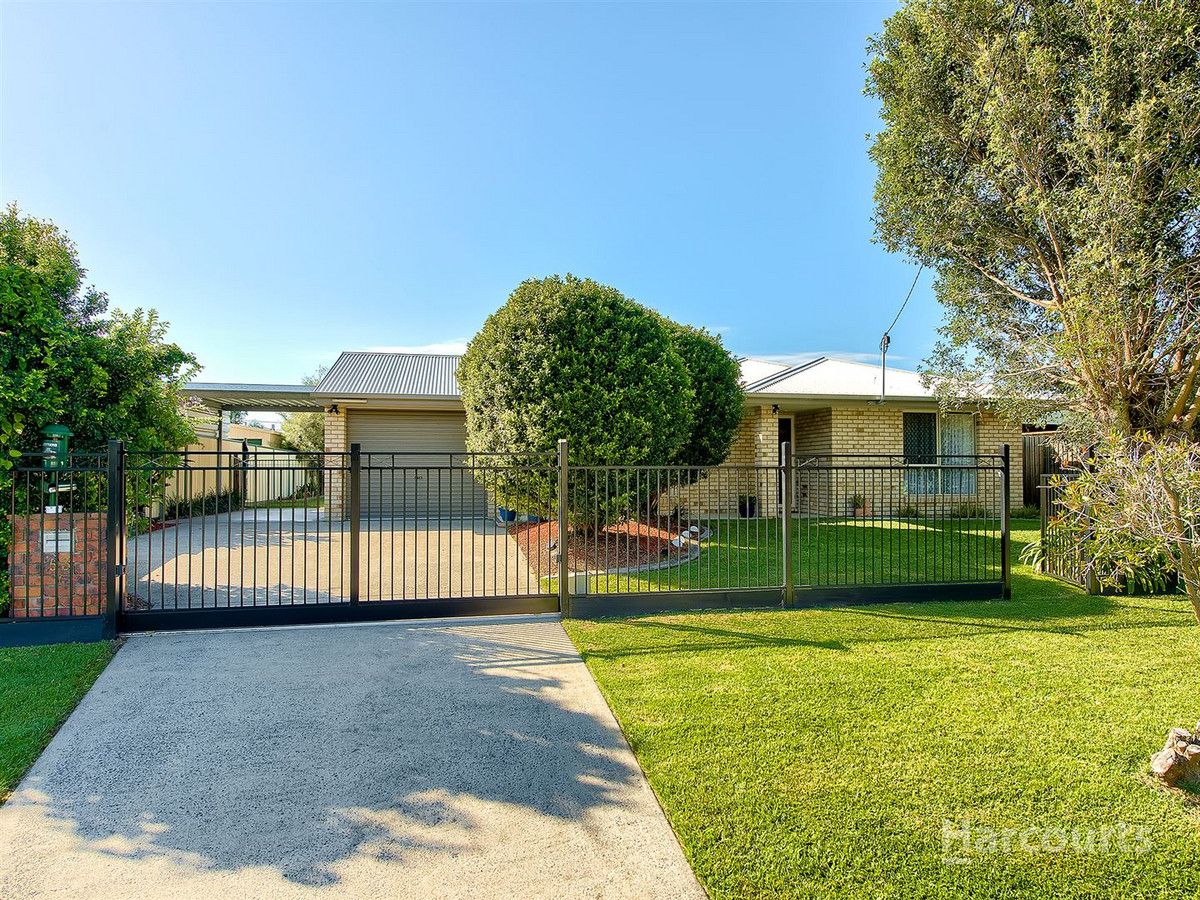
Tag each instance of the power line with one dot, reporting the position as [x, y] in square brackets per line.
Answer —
[886, 340]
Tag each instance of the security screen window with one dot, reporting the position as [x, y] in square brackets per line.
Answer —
[936, 445]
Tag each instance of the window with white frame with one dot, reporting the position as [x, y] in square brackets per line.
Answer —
[935, 445]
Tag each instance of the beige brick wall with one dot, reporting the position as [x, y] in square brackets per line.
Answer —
[871, 430]
[879, 432]
[717, 494]
[335, 480]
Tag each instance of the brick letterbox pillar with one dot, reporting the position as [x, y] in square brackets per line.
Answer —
[56, 565]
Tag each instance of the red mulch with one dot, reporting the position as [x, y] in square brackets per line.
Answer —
[623, 545]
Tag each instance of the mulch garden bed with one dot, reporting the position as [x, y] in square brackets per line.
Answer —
[622, 545]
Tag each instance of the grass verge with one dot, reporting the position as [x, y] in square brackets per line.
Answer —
[825, 753]
[39, 686]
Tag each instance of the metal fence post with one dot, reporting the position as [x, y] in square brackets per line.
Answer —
[1005, 555]
[355, 515]
[564, 594]
[114, 534]
[785, 472]
[1044, 520]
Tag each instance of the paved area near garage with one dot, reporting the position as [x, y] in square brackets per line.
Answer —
[466, 758]
[283, 556]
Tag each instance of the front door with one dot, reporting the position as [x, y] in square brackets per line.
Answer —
[785, 437]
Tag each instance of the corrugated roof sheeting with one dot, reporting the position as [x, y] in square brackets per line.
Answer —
[373, 374]
[259, 397]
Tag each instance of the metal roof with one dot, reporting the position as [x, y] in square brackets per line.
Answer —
[369, 374]
[366, 373]
[832, 378]
[257, 397]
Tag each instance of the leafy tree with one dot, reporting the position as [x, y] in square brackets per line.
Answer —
[1136, 509]
[566, 357]
[306, 431]
[39, 247]
[1049, 175]
[60, 362]
[101, 377]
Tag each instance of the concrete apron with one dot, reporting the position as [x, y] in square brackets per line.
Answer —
[449, 758]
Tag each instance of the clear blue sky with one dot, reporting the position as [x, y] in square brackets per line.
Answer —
[285, 181]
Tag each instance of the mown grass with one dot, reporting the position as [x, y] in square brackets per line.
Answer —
[747, 553]
[821, 752]
[39, 686]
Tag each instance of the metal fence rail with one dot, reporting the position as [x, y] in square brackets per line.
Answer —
[807, 529]
[878, 521]
[434, 525]
[382, 534]
[190, 547]
[1062, 555]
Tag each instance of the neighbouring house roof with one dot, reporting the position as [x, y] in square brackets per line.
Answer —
[393, 376]
[372, 375]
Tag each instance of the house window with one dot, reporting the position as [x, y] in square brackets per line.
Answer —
[934, 446]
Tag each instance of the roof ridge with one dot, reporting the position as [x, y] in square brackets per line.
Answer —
[402, 353]
[783, 374]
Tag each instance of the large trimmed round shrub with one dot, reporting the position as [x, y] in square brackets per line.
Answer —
[716, 384]
[570, 358]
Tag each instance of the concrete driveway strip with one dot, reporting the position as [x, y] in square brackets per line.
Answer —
[467, 758]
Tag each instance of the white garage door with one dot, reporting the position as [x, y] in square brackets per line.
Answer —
[414, 465]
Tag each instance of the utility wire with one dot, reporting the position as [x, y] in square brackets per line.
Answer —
[886, 340]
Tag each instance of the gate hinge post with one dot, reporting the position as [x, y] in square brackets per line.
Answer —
[564, 594]
[785, 472]
[355, 513]
[114, 534]
[1005, 552]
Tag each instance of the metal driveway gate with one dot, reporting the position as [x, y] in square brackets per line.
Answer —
[135, 541]
[220, 539]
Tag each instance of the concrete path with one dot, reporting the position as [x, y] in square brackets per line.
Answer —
[468, 758]
[284, 556]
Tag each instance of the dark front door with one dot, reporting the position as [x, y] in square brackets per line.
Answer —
[785, 437]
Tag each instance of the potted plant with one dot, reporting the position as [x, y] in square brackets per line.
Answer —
[861, 506]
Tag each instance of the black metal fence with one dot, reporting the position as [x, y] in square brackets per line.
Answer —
[196, 539]
[1062, 556]
[817, 528]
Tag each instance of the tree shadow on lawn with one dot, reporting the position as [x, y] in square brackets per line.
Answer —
[728, 639]
[298, 749]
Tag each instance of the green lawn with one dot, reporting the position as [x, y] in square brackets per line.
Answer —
[819, 753]
[745, 553]
[39, 686]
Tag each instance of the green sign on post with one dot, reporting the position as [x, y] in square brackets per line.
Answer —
[56, 446]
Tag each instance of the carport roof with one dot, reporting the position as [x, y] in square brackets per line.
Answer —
[257, 397]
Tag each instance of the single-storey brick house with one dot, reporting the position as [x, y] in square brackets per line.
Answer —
[410, 402]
